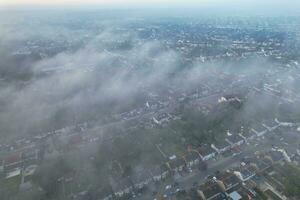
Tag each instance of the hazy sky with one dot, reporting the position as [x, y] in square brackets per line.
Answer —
[99, 2]
[151, 2]
[238, 6]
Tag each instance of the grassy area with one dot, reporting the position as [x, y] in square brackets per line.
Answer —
[291, 180]
[173, 149]
[260, 194]
[10, 186]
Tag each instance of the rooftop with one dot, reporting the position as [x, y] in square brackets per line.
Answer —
[205, 150]
[191, 156]
[13, 159]
[235, 196]
[275, 155]
[120, 184]
[229, 179]
[221, 144]
[176, 163]
[140, 176]
[258, 128]
[210, 189]
[234, 138]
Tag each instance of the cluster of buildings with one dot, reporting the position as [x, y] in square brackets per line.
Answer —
[204, 41]
[243, 182]
[199, 156]
[22, 163]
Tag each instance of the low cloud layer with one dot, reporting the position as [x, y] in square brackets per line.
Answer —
[106, 72]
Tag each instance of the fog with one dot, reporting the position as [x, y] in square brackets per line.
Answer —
[110, 73]
[106, 70]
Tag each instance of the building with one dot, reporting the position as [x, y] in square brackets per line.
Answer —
[13, 173]
[235, 140]
[206, 152]
[141, 178]
[211, 189]
[192, 158]
[270, 125]
[229, 179]
[176, 165]
[121, 186]
[235, 196]
[259, 130]
[219, 187]
[159, 173]
[13, 161]
[276, 156]
[259, 165]
[248, 135]
[244, 173]
[30, 156]
[221, 146]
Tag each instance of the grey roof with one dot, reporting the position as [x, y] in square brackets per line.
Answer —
[234, 138]
[210, 189]
[120, 184]
[270, 123]
[176, 163]
[248, 134]
[276, 155]
[235, 195]
[229, 179]
[221, 144]
[140, 176]
[191, 156]
[205, 150]
[259, 128]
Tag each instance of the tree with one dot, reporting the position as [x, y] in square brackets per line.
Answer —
[48, 176]
[291, 182]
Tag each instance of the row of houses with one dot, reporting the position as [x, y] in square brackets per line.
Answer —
[194, 157]
[237, 184]
[218, 187]
[19, 160]
[236, 140]
[138, 181]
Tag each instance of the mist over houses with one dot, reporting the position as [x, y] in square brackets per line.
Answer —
[150, 109]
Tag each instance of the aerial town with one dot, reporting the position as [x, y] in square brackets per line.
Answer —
[172, 108]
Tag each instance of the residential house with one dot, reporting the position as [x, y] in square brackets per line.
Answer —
[235, 140]
[244, 173]
[13, 173]
[221, 146]
[206, 152]
[176, 165]
[192, 158]
[13, 161]
[141, 178]
[212, 189]
[30, 156]
[270, 125]
[248, 135]
[276, 155]
[159, 172]
[122, 186]
[235, 196]
[259, 130]
[225, 186]
[229, 179]
[162, 118]
[259, 165]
